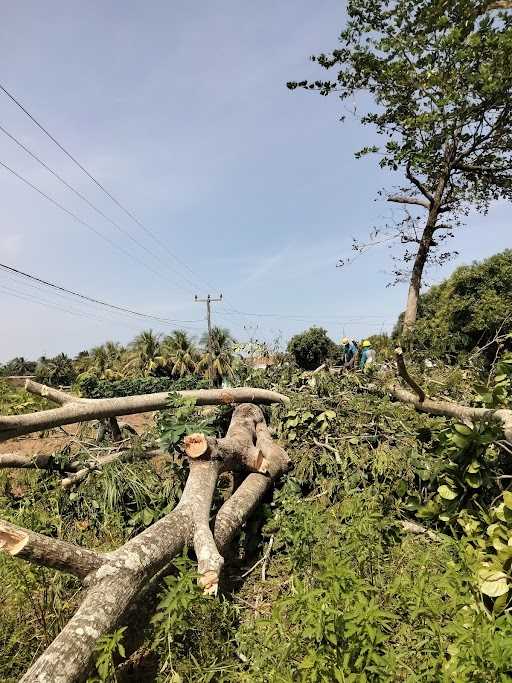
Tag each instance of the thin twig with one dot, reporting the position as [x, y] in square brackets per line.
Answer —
[330, 448]
[266, 559]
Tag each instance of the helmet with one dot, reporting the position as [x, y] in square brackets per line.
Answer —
[345, 341]
[365, 344]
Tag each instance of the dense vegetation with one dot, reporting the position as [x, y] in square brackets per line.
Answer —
[385, 554]
[471, 309]
[348, 594]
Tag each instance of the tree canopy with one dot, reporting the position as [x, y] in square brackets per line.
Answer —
[310, 348]
[469, 309]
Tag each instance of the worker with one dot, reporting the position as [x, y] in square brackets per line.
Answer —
[367, 356]
[349, 352]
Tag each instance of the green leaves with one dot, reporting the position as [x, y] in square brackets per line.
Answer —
[108, 647]
[300, 422]
[180, 419]
[446, 493]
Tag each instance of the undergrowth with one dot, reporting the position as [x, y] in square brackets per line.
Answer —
[348, 594]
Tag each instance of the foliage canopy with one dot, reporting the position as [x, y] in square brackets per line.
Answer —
[468, 309]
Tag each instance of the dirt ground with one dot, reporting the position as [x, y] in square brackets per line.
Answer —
[59, 438]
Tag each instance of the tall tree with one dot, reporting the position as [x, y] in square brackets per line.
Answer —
[181, 353]
[56, 371]
[223, 355]
[146, 353]
[439, 73]
[19, 366]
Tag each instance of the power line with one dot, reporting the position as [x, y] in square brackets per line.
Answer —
[305, 318]
[24, 296]
[92, 300]
[80, 195]
[129, 213]
[78, 219]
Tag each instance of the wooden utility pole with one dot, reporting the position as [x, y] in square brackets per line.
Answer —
[208, 301]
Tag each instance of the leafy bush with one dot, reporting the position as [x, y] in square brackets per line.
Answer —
[310, 348]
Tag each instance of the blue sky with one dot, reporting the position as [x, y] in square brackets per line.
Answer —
[180, 109]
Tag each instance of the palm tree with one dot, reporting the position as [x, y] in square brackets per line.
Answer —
[145, 354]
[223, 355]
[104, 360]
[19, 366]
[98, 360]
[181, 353]
[56, 371]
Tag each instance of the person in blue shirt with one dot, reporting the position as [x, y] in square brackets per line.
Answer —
[350, 352]
[367, 356]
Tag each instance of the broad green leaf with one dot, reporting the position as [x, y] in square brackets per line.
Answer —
[473, 467]
[473, 480]
[463, 429]
[492, 582]
[459, 440]
[497, 531]
[446, 493]
[507, 499]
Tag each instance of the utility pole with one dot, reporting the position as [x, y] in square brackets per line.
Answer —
[208, 301]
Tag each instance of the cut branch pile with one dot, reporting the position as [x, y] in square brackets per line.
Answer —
[115, 580]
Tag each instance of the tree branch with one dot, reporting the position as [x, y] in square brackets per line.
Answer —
[404, 374]
[460, 412]
[405, 199]
[76, 409]
[476, 168]
[418, 184]
[120, 579]
[48, 552]
[17, 460]
[497, 4]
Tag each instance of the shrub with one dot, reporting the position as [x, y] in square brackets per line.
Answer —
[310, 348]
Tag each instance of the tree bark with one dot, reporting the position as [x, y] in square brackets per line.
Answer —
[115, 580]
[413, 294]
[24, 461]
[502, 416]
[435, 203]
[406, 199]
[497, 4]
[49, 552]
[75, 409]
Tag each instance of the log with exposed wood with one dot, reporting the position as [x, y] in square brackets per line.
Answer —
[76, 409]
[115, 580]
[502, 416]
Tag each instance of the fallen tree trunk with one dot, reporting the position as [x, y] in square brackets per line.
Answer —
[24, 461]
[76, 409]
[117, 579]
[427, 405]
